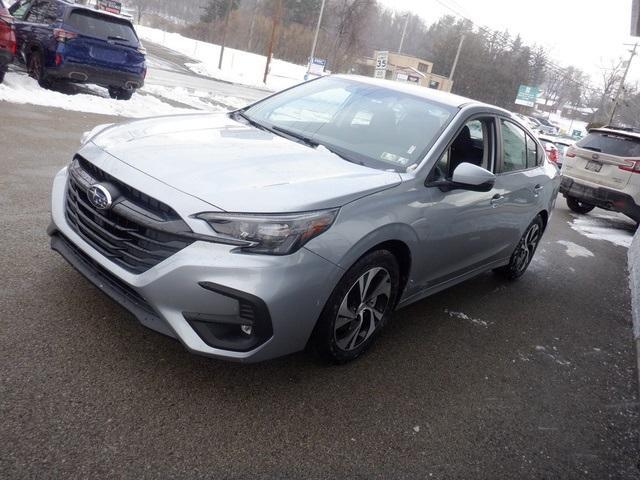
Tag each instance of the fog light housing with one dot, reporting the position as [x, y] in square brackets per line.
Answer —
[246, 329]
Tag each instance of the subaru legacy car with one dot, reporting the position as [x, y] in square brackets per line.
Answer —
[306, 218]
[61, 41]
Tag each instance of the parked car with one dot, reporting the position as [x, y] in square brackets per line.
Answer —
[546, 126]
[7, 40]
[307, 217]
[563, 143]
[528, 121]
[62, 41]
[551, 149]
[602, 170]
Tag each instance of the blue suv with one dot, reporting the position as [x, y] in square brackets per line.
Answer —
[62, 41]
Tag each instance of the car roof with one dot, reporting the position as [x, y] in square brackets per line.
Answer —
[439, 96]
[626, 133]
[88, 8]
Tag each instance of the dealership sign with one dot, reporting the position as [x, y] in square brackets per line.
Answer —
[111, 6]
[527, 95]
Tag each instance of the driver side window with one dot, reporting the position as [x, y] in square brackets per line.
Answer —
[473, 144]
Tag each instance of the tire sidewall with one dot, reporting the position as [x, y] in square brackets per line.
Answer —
[324, 337]
[511, 270]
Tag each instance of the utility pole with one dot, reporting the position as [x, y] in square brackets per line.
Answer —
[274, 27]
[224, 31]
[315, 37]
[404, 32]
[616, 101]
[455, 61]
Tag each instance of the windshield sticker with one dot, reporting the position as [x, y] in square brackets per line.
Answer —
[411, 149]
[397, 159]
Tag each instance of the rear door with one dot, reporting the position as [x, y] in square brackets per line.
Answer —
[520, 180]
[103, 40]
[604, 158]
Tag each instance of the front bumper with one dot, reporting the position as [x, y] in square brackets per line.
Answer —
[106, 77]
[204, 291]
[602, 197]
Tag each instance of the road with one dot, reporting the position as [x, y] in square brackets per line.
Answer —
[167, 68]
[533, 379]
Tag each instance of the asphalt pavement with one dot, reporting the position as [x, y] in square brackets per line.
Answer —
[533, 379]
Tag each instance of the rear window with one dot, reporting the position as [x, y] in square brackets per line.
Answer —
[101, 26]
[611, 144]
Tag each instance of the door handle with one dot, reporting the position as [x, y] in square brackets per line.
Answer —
[537, 189]
[497, 200]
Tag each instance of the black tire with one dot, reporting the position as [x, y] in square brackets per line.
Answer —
[579, 206]
[118, 93]
[2, 73]
[524, 251]
[35, 67]
[332, 332]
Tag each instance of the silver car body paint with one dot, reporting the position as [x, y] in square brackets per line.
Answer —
[208, 162]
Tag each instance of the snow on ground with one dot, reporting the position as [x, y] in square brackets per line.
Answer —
[574, 250]
[464, 316]
[150, 100]
[237, 66]
[19, 88]
[612, 227]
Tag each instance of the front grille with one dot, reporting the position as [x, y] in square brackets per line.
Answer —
[136, 233]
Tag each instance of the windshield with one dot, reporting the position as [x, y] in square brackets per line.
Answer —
[101, 26]
[367, 124]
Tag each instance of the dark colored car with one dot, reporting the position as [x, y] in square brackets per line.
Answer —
[62, 41]
[7, 40]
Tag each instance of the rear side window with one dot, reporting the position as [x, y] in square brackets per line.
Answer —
[43, 12]
[611, 144]
[514, 148]
[103, 27]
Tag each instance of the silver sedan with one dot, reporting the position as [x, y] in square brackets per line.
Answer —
[307, 218]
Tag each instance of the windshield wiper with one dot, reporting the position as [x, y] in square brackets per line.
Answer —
[298, 136]
[251, 121]
[116, 37]
[594, 149]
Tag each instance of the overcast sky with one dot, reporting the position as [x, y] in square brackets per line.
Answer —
[586, 33]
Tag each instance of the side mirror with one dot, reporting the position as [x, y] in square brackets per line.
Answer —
[472, 177]
[466, 176]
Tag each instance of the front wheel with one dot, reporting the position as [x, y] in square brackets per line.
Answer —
[358, 308]
[118, 93]
[579, 206]
[523, 254]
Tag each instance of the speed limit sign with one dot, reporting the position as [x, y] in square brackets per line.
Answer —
[381, 60]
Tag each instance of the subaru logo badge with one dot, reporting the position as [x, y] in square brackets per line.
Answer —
[99, 197]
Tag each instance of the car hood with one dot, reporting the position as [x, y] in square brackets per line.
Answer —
[239, 168]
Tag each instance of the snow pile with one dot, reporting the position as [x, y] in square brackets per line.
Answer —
[19, 88]
[614, 228]
[237, 66]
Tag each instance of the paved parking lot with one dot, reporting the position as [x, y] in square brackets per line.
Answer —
[533, 379]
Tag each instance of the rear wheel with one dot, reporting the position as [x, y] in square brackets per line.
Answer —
[120, 93]
[358, 308]
[35, 67]
[523, 254]
[579, 206]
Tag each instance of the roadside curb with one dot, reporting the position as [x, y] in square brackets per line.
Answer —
[633, 257]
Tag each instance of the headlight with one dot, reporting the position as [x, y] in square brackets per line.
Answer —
[269, 234]
[91, 134]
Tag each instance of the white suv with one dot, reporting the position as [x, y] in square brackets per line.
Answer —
[603, 170]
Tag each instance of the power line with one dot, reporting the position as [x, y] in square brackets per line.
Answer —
[505, 39]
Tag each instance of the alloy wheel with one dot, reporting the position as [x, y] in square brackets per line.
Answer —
[527, 247]
[362, 309]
